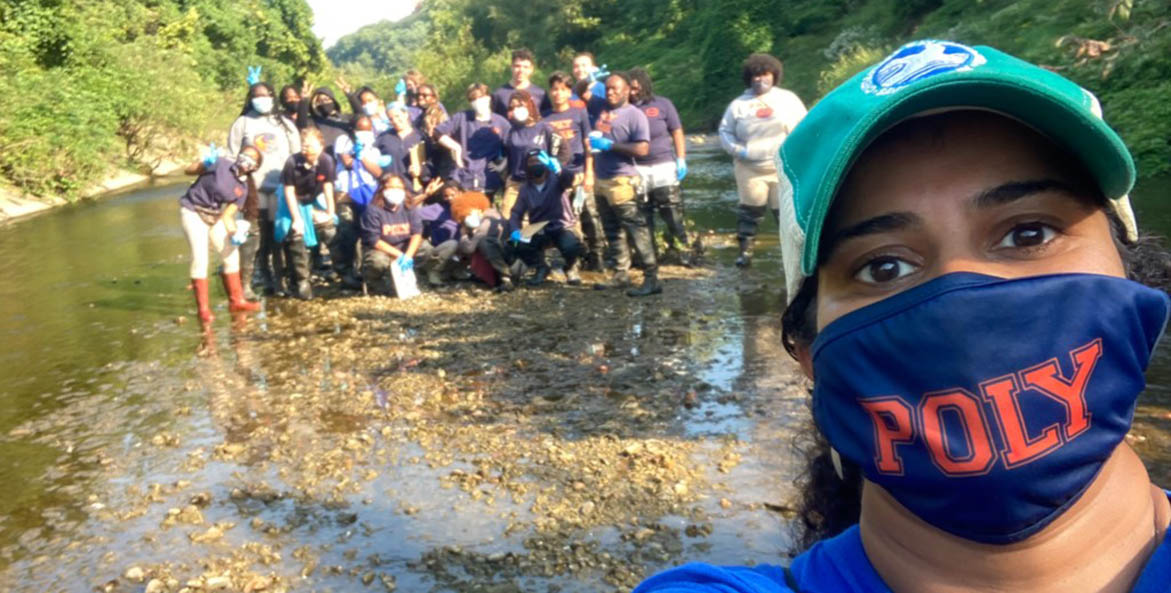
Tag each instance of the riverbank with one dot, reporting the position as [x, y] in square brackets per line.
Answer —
[16, 205]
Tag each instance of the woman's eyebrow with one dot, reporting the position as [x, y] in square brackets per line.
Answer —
[883, 223]
[1015, 190]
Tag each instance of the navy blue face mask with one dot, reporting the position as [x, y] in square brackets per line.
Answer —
[986, 406]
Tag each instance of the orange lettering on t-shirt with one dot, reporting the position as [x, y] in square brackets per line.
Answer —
[401, 228]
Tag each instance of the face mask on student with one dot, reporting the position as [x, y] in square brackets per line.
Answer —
[370, 108]
[245, 164]
[262, 105]
[473, 220]
[535, 172]
[520, 114]
[985, 405]
[394, 196]
[482, 106]
[761, 87]
[364, 137]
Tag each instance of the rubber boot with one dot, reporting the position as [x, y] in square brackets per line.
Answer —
[540, 277]
[619, 279]
[248, 253]
[650, 285]
[236, 301]
[202, 301]
[572, 277]
[297, 258]
[745, 258]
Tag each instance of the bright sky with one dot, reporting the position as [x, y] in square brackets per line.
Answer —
[333, 19]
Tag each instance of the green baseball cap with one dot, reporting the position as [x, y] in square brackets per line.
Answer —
[933, 76]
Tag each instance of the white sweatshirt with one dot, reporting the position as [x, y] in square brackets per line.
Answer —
[760, 124]
[274, 136]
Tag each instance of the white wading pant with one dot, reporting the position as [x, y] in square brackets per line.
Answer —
[198, 235]
[757, 185]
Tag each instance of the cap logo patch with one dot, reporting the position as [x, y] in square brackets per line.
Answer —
[919, 60]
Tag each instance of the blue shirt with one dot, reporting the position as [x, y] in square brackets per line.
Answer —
[836, 565]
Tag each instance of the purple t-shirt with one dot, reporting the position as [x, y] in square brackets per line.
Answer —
[550, 203]
[502, 95]
[623, 125]
[663, 119]
[482, 141]
[438, 225]
[399, 149]
[520, 140]
[216, 188]
[393, 226]
[573, 125]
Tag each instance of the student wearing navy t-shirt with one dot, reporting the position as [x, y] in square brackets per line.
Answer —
[544, 197]
[522, 70]
[404, 145]
[572, 124]
[621, 135]
[968, 294]
[207, 211]
[475, 138]
[307, 179]
[528, 131]
[665, 166]
[392, 234]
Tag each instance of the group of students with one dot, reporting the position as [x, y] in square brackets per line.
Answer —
[968, 291]
[304, 188]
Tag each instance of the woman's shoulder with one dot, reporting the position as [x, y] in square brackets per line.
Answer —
[708, 578]
[836, 565]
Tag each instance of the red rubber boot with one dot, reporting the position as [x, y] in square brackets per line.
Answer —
[236, 301]
[202, 302]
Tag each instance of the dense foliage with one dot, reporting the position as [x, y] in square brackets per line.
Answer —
[693, 48]
[91, 82]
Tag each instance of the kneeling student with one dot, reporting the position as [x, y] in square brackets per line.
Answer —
[545, 198]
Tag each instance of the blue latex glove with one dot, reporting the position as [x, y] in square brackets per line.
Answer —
[598, 89]
[601, 143]
[239, 237]
[551, 163]
[405, 263]
[515, 237]
[384, 161]
[254, 74]
[400, 87]
[680, 168]
[599, 74]
[210, 157]
[336, 221]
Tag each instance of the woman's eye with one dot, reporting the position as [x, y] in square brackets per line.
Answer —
[1031, 234]
[884, 269]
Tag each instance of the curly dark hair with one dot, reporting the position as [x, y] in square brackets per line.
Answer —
[646, 88]
[757, 64]
[526, 98]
